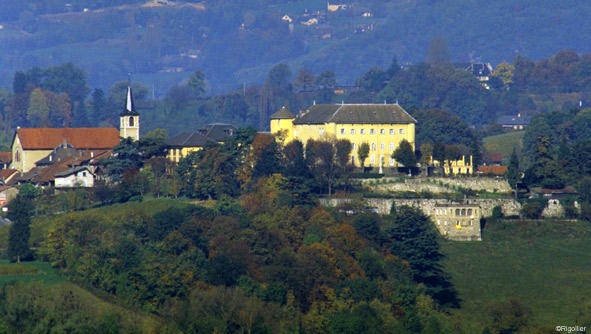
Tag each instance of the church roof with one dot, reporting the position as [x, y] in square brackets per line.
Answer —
[80, 138]
[129, 109]
[283, 113]
[355, 114]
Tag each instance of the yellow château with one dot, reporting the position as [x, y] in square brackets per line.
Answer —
[381, 126]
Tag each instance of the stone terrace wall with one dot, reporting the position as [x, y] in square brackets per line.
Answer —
[439, 185]
[510, 207]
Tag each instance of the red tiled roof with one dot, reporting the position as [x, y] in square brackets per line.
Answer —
[80, 138]
[6, 174]
[495, 170]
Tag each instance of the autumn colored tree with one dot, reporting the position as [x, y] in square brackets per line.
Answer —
[38, 111]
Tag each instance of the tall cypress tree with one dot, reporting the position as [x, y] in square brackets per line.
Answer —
[415, 239]
[19, 212]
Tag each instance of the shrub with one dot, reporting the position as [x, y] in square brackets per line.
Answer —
[532, 210]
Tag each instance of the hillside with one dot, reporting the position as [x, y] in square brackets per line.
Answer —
[544, 265]
[236, 44]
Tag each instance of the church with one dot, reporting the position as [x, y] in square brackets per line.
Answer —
[40, 154]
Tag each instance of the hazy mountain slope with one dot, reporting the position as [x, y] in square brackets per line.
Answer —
[237, 44]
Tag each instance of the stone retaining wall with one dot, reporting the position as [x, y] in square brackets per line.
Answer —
[509, 207]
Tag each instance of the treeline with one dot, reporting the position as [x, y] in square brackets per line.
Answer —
[261, 263]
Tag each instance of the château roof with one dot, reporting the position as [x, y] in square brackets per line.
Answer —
[283, 113]
[80, 138]
[355, 114]
[188, 139]
[219, 132]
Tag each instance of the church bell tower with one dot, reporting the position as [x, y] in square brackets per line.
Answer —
[129, 119]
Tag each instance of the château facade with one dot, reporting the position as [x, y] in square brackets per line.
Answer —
[381, 126]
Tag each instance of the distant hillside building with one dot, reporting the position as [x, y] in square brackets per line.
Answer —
[457, 221]
[381, 126]
[184, 143]
[518, 122]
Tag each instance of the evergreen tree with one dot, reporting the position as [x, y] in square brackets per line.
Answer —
[19, 212]
[513, 170]
[415, 239]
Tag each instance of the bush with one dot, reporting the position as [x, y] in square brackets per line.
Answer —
[532, 210]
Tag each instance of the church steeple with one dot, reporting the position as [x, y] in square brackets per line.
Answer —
[129, 118]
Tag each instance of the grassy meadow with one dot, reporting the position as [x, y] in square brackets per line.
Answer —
[546, 265]
[504, 144]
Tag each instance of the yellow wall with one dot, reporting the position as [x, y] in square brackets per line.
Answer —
[382, 138]
[22, 160]
[175, 154]
[458, 166]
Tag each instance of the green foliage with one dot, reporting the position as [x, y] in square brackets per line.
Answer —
[19, 212]
[414, 239]
[404, 154]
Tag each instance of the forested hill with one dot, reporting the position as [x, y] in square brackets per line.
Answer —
[235, 43]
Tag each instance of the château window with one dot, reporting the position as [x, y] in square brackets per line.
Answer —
[373, 146]
[130, 121]
[352, 131]
[342, 131]
[401, 131]
[391, 146]
[382, 131]
[391, 131]
[372, 131]
[362, 131]
[391, 161]
[372, 160]
[382, 146]
[354, 146]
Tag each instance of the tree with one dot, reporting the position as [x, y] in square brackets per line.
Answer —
[98, 104]
[126, 156]
[405, 155]
[439, 152]
[38, 111]
[415, 239]
[327, 160]
[504, 71]
[438, 51]
[304, 80]
[513, 172]
[19, 212]
[197, 83]
[363, 153]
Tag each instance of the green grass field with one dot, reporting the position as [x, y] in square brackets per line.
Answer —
[28, 271]
[546, 265]
[504, 144]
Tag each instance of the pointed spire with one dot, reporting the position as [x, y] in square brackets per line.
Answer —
[129, 108]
